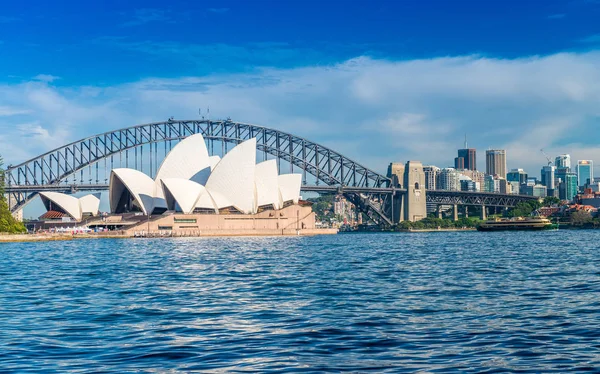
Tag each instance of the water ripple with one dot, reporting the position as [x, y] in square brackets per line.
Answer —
[438, 302]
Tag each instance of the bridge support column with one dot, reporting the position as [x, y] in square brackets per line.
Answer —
[466, 211]
[439, 211]
[455, 211]
[483, 215]
[415, 208]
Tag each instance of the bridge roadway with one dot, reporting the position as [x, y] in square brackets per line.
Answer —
[438, 197]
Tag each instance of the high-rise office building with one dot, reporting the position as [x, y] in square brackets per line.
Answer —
[469, 155]
[563, 161]
[585, 172]
[548, 176]
[431, 176]
[568, 188]
[495, 162]
[517, 175]
[459, 163]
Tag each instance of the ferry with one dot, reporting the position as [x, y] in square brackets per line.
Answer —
[518, 223]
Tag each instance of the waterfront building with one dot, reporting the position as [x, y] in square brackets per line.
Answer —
[215, 195]
[431, 176]
[469, 155]
[495, 162]
[585, 172]
[517, 175]
[548, 176]
[563, 161]
[449, 180]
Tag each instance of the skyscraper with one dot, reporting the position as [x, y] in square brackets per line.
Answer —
[495, 162]
[470, 158]
[459, 163]
[563, 161]
[548, 176]
[568, 188]
[585, 172]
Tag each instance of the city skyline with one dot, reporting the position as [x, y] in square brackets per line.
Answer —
[393, 90]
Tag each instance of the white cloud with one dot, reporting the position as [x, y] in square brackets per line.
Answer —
[374, 111]
[45, 78]
[7, 111]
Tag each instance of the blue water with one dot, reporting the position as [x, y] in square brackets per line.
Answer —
[438, 302]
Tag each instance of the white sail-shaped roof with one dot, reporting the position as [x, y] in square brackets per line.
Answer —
[69, 204]
[214, 160]
[89, 204]
[267, 185]
[289, 187]
[182, 192]
[185, 160]
[232, 180]
[205, 201]
[140, 186]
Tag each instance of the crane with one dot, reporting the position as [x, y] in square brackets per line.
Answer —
[550, 163]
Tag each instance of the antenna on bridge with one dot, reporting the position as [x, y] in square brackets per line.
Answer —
[200, 112]
[208, 113]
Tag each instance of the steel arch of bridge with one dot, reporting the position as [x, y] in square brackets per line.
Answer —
[51, 170]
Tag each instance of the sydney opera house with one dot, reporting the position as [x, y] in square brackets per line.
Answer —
[196, 194]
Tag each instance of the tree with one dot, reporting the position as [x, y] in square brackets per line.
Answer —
[580, 217]
[8, 223]
[551, 200]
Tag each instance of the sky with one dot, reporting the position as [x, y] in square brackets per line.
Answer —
[378, 81]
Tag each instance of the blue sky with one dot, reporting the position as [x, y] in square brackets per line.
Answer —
[379, 81]
[103, 43]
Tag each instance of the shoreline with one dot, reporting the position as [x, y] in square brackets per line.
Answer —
[24, 238]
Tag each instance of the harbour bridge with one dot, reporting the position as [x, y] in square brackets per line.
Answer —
[85, 165]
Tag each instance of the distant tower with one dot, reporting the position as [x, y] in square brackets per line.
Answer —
[469, 158]
[495, 162]
[415, 208]
[563, 161]
[585, 172]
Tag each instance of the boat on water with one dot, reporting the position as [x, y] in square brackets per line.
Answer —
[517, 223]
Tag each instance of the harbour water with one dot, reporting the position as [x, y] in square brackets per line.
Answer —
[447, 302]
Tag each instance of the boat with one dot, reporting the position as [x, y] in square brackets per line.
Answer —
[517, 223]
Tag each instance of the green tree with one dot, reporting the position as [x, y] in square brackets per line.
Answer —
[580, 217]
[8, 224]
[551, 200]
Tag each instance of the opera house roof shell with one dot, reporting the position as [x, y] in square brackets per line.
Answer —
[74, 207]
[189, 180]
